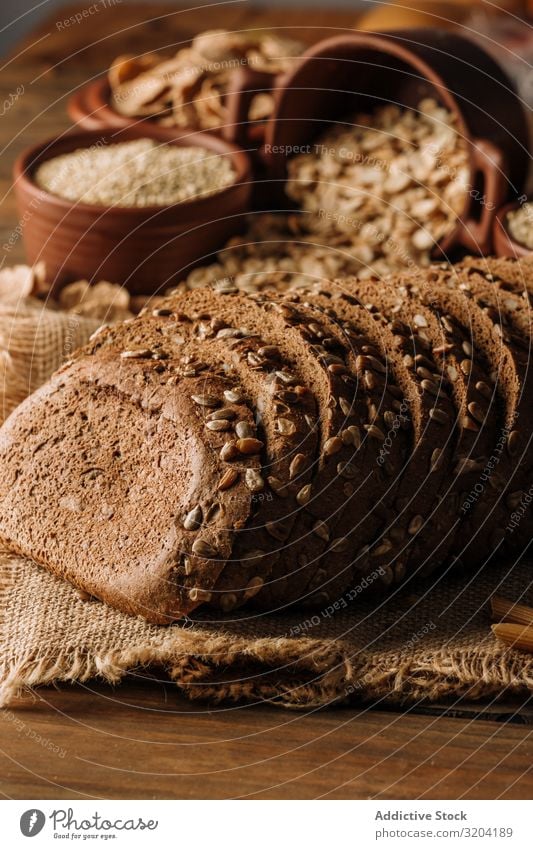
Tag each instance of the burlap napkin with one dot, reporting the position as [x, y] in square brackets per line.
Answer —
[428, 641]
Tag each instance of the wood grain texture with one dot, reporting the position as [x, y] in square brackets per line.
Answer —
[142, 740]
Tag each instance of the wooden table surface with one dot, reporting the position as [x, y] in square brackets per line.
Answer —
[142, 739]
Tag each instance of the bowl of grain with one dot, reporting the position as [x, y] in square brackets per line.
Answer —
[418, 133]
[140, 205]
[513, 229]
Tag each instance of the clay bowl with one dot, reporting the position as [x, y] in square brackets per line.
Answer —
[90, 108]
[145, 249]
[504, 244]
[357, 72]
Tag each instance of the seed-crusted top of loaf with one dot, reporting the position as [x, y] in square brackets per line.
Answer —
[318, 358]
[368, 359]
[416, 334]
[224, 448]
[117, 458]
[503, 294]
[479, 412]
[202, 333]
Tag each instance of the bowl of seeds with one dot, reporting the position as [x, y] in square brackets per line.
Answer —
[398, 139]
[513, 229]
[140, 205]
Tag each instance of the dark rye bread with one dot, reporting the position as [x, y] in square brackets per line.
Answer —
[507, 305]
[319, 359]
[225, 449]
[251, 368]
[480, 411]
[115, 461]
[416, 333]
[367, 356]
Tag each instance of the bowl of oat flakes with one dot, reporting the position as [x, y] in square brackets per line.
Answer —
[513, 229]
[140, 205]
[410, 141]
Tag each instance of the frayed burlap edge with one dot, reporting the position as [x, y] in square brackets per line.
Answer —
[293, 672]
[445, 674]
[322, 679]
[298, 672]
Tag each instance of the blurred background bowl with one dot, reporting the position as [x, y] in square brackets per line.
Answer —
[358, 72]
[145, 249]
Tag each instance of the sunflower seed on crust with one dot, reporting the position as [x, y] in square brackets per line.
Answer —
[304, 495]
[253, 480]
[228, 479]
[206, 400]
[248, 445]
[193, 519]
[202, 548]
[197, 594]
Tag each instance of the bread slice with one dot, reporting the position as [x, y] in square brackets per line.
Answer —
[199, 336]
[318, 359]
[99, 469]
[368, 346]
[504, 296]
[421, 518]
[480, 414]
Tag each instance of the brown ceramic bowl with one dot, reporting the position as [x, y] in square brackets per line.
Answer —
[91, 109]
[145, 249]
[356, 72]
[504, 243]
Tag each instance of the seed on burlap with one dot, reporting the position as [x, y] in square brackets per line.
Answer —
[477, 411]
[351, 436]
[278, 486]
[339, 545]
[345, 406]
[437, 460]
[383, 548]
[375, 432]
[439, 415]
[141, 354]
[277, 530]
[224, 413]
[484, 389]
[513, 443]
[347, 470]
[233, 396]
